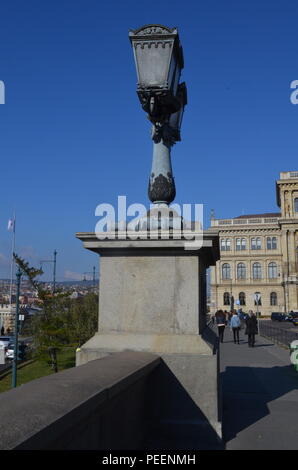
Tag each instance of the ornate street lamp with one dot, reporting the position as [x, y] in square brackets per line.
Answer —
[159, 61]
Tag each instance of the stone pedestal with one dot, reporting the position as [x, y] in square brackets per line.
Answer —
[152, 297]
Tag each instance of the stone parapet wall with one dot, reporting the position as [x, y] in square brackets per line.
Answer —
[99, 405]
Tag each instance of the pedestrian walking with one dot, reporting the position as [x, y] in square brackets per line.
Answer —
[241, 317]
[251, 328]
[235, 325]
[220, 318]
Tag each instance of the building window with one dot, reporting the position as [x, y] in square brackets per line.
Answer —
[256, 243]
[274, 243]
[240, 244]
[296, 204]
[225, 244]
[226, 298]
[273, 298]
[272, 270]
[242, 298]
[226, 271]
[241, 271]
[271, 243]
[256, 271]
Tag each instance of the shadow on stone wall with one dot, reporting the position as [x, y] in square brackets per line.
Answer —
[211, 338]
[179, 423]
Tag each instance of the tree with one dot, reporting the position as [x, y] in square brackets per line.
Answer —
[81, 318]
[61, 322]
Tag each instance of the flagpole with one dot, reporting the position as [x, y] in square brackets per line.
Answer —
[12, 258]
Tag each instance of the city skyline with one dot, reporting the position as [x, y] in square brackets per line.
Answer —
[71, 110]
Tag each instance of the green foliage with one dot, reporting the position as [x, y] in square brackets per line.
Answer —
[37, 369]
[63, 321]
[81, 318]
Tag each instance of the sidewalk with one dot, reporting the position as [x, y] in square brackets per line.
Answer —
[260, 395]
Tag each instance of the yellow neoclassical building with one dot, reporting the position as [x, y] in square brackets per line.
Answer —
[259, 256]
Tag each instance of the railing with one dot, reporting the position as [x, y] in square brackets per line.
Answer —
[284, 175]
[262, 220]
[281, 336]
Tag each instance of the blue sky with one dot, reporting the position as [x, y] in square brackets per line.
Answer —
[73, 135]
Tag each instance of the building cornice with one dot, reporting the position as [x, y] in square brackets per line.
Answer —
[249, 255]
[249, 232]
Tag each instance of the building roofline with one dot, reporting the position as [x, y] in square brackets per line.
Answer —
[256, 216]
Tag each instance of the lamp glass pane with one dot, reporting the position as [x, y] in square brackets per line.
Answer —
[176, 79]
[153, 64]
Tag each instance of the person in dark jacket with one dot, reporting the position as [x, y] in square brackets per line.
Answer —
[251, 328]
[220, 319]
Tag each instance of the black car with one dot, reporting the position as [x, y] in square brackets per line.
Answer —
[278, 316]
[293, 316]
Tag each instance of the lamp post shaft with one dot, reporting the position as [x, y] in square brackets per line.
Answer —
[54, 272]
[15, 355]
[94, 277]
[161, 183]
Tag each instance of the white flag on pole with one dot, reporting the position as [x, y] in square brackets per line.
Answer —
[10, 225]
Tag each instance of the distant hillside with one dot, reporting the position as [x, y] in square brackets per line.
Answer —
[77, 283]
[64, 283]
